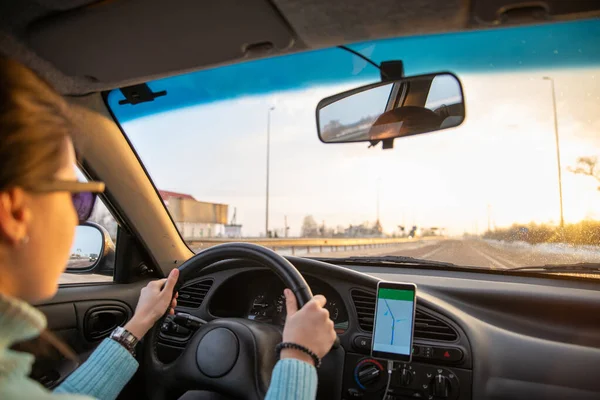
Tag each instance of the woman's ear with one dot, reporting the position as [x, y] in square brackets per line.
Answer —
[15, 215]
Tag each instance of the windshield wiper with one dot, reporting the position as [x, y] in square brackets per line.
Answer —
[589, 267]
[396, 260]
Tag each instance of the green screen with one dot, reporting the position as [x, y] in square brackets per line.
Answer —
[396, 294]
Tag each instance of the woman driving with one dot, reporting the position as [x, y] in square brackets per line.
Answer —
[41, 203]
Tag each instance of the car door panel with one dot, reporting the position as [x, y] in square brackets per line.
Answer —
[81, 316]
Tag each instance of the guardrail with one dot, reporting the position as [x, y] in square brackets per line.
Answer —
[308, 244]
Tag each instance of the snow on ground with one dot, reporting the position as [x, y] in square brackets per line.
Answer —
[581, 252]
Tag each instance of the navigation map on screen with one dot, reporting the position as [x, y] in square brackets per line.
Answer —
[394, 321]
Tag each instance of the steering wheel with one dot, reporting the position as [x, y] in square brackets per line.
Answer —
[231, 356]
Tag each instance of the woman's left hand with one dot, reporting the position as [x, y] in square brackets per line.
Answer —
[154, 301]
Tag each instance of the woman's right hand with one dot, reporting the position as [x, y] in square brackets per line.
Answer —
[309, 327]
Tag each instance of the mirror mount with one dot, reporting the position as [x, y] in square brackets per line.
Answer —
[391, 70]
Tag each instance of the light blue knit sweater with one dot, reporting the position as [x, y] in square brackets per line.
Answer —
[108, 369]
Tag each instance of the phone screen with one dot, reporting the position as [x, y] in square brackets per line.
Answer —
[394, 321]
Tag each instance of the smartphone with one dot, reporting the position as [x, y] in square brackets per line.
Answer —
[394, 321]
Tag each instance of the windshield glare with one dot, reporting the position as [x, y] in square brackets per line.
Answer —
[507, 188]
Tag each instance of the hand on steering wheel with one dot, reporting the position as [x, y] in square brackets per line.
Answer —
[309, 327]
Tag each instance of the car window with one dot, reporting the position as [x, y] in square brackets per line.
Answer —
[92, 256]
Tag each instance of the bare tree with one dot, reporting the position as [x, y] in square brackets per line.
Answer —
[310, 228]
[587, 166]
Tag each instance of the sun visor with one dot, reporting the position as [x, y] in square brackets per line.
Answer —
[121, 40]
[497, 12]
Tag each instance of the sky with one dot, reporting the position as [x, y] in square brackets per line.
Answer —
[501, 162]
[88, 240]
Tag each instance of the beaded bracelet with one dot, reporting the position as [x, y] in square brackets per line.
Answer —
[295, 346]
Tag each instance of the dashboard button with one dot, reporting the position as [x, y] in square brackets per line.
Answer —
[448, 354]
[416, 350]
[362, 343]
[426, 351]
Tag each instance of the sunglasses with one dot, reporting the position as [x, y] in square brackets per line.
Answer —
[83, 194]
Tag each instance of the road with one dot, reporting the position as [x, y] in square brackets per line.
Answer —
[480, 253]
[468, 252]
[472, 253]
[81, 263]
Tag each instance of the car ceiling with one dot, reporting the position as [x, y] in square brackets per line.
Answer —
[86, 46]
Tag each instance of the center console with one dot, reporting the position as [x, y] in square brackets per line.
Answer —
[366, 378]
[410, 353]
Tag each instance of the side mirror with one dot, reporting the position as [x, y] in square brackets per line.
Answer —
[93, 251]
[388, 110]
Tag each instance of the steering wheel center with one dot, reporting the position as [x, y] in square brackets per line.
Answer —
[217, 352]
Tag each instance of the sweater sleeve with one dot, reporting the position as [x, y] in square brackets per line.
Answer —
[294, 380]
[104, 374]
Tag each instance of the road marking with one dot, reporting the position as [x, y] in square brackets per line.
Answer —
[432, 252]
[507, 261]
[489, 258]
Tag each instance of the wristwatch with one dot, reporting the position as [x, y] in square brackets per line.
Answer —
[125, 339]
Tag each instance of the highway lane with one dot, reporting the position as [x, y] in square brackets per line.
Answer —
[472, 253]
[479, 253]
[495, 255]
[465, 252]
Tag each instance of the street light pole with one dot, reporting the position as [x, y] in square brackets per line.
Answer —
[560, 193]
[268, 163]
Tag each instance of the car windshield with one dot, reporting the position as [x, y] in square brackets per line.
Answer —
[235, 155]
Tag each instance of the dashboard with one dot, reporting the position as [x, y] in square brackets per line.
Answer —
[477, 335]
[258, 295]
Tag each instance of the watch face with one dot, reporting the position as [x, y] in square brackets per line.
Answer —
[119, 333]
[126, 338]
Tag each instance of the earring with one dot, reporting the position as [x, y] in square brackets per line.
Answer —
[24, 240]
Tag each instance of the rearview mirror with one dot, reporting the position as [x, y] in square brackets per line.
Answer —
[388, 110]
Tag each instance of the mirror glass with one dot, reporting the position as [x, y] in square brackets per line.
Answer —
[87, 248]
[388, 110]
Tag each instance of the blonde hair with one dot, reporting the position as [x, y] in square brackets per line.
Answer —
[34, 125]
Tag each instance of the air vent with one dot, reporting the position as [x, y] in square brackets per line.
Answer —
[192, 295]
[427, 327]
[364, 302]
[431, 328]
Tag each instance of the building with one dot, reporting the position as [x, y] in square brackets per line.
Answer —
[195, 219]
